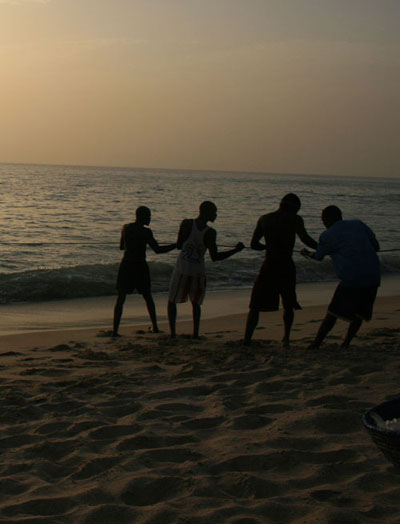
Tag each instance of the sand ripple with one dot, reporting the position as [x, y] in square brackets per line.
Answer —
[195, 432]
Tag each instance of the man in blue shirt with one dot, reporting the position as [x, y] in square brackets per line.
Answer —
[352, 246]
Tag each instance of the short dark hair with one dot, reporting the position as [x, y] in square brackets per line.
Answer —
[207, 205]
[291, 201]
[142, 212]
[331, 214]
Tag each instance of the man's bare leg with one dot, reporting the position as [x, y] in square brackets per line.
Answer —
[352, 331]
[118, 309]
[252, 321]
[327, 324]
[172, 318]
[288, 317]
[151, 308]
[196, 319]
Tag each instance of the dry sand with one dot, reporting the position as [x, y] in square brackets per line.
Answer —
[145, 429]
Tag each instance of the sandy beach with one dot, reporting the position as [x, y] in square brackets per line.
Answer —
[146, 429]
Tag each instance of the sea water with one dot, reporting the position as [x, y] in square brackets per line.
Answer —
[60, 225]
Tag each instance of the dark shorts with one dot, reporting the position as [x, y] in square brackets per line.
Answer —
[133, 275]
[350, 303]
[272, 283]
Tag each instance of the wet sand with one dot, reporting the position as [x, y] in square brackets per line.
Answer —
[147, 429]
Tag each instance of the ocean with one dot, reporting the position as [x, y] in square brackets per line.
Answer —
[60, 225]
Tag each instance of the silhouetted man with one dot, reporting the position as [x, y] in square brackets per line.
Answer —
[195, 237]
[277, 276]
[134, 271]
[352, 246]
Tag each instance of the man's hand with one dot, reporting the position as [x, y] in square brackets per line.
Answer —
[306, 253]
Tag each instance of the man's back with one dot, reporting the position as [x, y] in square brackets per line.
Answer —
[279, 231]
[134, 240]
[352, 246]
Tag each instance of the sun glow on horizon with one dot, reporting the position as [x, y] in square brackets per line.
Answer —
[267, 86]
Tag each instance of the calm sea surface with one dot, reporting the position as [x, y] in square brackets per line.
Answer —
[60, 225]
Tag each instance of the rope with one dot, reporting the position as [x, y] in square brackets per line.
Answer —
[115, 244]
[58, 243]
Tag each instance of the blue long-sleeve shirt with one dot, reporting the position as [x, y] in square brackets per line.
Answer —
[352, 246]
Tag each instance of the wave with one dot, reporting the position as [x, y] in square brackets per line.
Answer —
[99, 279]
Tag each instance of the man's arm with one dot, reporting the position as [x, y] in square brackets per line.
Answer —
[210, 240]
[257, 235]
[303, 235]
[155, 246]
[122, 239]
[184, 232]
[372, 238]
[322, 250]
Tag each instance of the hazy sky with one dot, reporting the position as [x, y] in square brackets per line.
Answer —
[309, 86]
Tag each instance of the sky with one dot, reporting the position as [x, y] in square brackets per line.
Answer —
[281, 86]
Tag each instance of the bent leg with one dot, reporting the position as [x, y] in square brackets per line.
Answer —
[172, 318]
[151, 308]
[288, 317]
[327, 324]
[352, 331]
[252, 321]
[196, 319]
[118, 308]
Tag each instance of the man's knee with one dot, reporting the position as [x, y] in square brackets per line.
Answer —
[288, 312]
[120, 299]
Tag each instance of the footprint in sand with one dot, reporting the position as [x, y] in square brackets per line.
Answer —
[146, 491]
[96, 467]
[175, 455]
[149, 441]
[45, 507]
[111, 513]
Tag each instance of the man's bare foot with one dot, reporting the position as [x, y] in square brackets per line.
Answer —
[286, 343]
[154, 330]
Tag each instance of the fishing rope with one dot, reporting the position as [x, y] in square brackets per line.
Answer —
[115, 244]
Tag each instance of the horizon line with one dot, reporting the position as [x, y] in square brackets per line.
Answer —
[201, 170]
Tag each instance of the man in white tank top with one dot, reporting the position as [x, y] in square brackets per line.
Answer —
[189, 278]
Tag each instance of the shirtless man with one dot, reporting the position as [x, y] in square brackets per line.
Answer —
[277, 277]
[352, 246]
[134, 271]
[195, 237]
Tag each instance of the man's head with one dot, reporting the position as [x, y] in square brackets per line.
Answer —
[143, 215]
[291, 203]
[330, 215]
[208, 211]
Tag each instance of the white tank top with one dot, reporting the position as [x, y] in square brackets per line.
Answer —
[191, 257]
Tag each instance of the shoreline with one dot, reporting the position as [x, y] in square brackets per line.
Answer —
[97, 312]
[229, 327]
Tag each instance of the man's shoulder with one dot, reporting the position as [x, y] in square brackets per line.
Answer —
[264, 219]
[210, 234]
[356, 222]
[349, 224]
[137, 229]
[280, 215]
[127, 228]
[186, 224]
